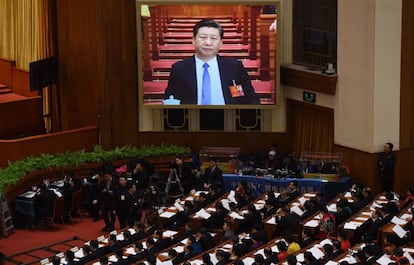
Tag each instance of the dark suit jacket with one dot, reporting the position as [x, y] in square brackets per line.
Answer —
[214, 177]
[182, 83]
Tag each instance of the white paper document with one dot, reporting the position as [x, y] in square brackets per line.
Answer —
[398, 221]
[167, 214]
[399, 231]
[312, 223]
[203, 214]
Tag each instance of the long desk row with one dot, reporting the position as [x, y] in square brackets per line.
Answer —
[260, 185]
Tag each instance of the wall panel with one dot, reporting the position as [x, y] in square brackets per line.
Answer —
[407, 76]
[248, 142]
[98, 67]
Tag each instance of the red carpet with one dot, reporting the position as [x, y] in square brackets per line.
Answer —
[23, 240]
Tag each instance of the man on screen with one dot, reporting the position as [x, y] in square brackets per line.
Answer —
[207, 78]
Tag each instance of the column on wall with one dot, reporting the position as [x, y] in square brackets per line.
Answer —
[368, 94]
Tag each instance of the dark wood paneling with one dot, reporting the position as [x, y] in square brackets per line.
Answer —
[248, 142]
[98, 67]
[80, 62]
[5, 71]
[59, 142]
[21, 118]
[21, 83]
[292, 76]
[404, 170]
[407, 76]
[362, 166]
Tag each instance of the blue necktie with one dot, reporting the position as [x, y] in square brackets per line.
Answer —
[206, 86]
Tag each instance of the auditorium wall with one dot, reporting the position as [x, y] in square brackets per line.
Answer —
[98, 82]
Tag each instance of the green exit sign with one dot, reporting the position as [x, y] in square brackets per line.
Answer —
[309, 97]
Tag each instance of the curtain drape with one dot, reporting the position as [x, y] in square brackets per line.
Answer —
[20, 22]
[27, 34]
[309, 127]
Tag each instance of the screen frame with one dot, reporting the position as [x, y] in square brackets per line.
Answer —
[276, 80]
[42, 73]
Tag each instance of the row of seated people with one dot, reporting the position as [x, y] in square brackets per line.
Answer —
[206, 198]
[253, 211]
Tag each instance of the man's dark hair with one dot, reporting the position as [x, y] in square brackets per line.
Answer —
[211, 23]
[390, 145]
[55, 260]
[291, 259]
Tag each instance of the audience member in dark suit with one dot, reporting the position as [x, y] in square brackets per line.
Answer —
[291, 260]
[308, 237]
[43, 201]
[201, 201]
[216, 219]
[71, 184]
[286, 222]
[228, 72]
[271, 198]
[184, 216]
[141, 175]
[250, 218]
[160, 242]
[206, 259]
[386, 166]
[188, 252]
[222, 256]
[121, 196]
[93, 191]
[213, 176]
[291, 193]
[310, 259]
[261, 234]
[69, 257]
[96, 250]
[337, 250]
[270, 256]
[343, 211]
[320, 202]
[309, 209]
[174, 256]
[373, 251]
[393, 203]
[140, 253]
[328, 250]
[387, 213]
[106, 198]
[149, 225]
[152, 249]
[188, 231]
[359, 202]
[113, 243]
[268, 209]
[205, 239]
[121, 260]
[185, 174]
[212, 194]
[369, 229]
[139, 232]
